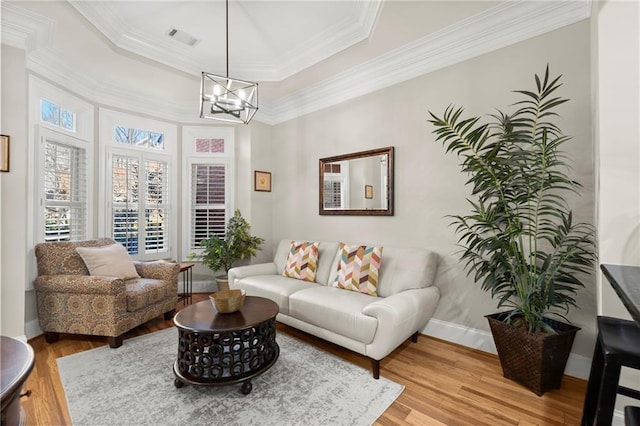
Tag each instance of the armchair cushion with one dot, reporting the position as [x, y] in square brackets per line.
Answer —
[109, 261]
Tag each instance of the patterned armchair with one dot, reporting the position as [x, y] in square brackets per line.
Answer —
[72, 301]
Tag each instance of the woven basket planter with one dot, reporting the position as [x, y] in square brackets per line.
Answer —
[536, 361]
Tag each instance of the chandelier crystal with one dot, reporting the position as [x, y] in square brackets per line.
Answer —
[225, 98]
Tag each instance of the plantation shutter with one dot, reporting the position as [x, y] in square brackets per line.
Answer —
[156, 207]
[65, 192]
[208, 202]
[332, 194]
[125, 187]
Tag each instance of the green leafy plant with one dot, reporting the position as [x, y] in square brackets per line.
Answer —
[519, 240]
[237, 244]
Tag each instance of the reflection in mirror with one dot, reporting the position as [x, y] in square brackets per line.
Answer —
[360, 183]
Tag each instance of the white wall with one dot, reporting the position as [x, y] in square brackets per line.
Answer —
[13, 224]
[616, 65]
[428, 183]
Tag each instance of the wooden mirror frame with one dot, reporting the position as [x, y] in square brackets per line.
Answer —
[388, 151]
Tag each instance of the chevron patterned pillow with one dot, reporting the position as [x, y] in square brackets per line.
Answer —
[302, 261]
[358, 268]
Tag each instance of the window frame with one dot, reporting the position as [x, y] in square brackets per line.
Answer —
[189, 158]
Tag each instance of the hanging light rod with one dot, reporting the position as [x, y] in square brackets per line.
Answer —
[224, 98]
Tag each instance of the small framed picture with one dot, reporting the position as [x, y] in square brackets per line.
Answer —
[4, 153]
[262, 181]
[368, 191]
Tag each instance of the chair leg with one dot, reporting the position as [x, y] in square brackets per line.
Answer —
[414, 338]
[115, 342]
[593, 386]
[51, 336]
[608, 391]
[169, 315]
[375, 368]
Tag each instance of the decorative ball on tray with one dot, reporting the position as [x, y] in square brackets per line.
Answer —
[227, 301]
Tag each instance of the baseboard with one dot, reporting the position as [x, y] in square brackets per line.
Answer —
[577, 365]
[32, 329]
[203, 286]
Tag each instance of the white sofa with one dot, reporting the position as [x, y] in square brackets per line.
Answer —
[372, 326]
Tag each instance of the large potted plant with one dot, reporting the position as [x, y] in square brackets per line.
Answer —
[519, 240]
[220, 253]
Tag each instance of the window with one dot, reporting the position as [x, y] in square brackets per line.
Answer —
[208, 202]
[208, 160]
[332, 193]
[335, 186]
[130, 210]
[65, 192]
[144, 138]
[56, 115]
[59, 150]
[141, 211]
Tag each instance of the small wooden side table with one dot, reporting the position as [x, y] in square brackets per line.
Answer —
[16, 361]
[186, 269]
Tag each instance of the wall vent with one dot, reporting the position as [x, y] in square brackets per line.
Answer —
[182, 36]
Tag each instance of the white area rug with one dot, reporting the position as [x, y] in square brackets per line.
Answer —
[133, 385]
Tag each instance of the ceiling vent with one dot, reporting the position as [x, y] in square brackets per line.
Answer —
[182, 37]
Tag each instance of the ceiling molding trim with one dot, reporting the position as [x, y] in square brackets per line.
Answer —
[496, 28]
[102, 16]
[347, 32]
[52, 66]
[24, 29]
[501, 26]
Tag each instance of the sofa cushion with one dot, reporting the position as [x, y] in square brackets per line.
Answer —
[143, 292]
[302, 261]
[273, 287]
[335, 310]
[406, 269]
[109, 261]
[358, 268]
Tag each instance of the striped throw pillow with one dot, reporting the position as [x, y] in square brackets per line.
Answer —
[302, 261]
[358, 268]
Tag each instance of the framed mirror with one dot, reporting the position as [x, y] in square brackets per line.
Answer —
[360, 183]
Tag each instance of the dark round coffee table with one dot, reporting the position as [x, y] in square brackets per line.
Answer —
[217, 349]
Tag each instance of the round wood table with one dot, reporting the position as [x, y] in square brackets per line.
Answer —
[220, 349]
[17, 360]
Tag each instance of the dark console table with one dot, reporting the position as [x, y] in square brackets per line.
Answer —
[221, 349]
[16, 360]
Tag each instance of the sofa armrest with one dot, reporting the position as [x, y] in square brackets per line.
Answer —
[240, 272]
[399, 316]
[158, 270]
[79, 284]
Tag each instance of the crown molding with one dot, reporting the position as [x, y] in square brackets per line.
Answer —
[353, 29]
[498, 27]
[501, 26]
[24, 29]
[347, 32]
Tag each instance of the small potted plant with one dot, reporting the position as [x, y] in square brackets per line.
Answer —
[519, 240]
[221, 253]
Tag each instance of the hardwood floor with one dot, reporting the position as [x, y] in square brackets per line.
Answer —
[445, 384]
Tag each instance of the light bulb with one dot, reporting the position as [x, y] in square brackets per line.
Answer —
[217, 90]
[242, 94]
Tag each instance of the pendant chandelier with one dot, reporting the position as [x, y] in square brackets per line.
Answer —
[227, 99]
